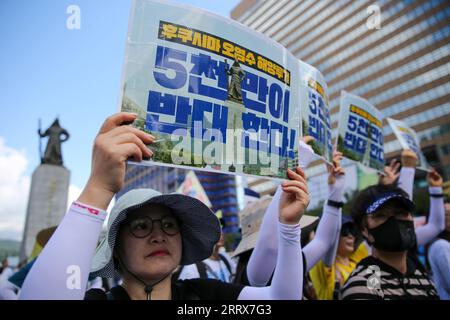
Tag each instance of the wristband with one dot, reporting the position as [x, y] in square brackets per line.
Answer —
[439, 195]
[336, 204]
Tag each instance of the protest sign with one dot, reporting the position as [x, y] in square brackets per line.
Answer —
[408, 140]
[217, 95]
[360, 134]
[315, 110]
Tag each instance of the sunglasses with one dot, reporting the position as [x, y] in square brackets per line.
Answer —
[348, 229]
[142, 227]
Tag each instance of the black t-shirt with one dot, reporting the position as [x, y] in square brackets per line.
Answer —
[191, 289]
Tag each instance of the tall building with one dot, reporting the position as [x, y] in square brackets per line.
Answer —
[403, 68]
[220, 188]
[221, 191]
[163, 179]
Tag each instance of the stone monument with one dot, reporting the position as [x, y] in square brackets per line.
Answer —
[234, 152]
[47, 202]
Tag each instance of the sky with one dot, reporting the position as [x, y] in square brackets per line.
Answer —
[48, 70]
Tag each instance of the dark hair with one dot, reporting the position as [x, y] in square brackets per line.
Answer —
[306, 232]
[367, 196]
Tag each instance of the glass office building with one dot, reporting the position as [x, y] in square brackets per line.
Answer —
[403, 68]
[220, 188]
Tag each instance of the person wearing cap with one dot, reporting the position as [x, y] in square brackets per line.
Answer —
[383, 213]
[149, 234]
[426, 233]
[263, 259]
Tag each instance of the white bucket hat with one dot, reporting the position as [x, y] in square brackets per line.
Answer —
[199, 227]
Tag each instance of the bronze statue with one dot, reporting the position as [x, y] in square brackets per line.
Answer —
[53, 153]
[234, 86]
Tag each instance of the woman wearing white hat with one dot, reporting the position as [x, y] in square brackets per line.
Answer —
[150, 234]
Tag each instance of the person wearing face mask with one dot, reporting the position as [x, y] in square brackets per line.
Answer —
[404, 177]
[383, 213]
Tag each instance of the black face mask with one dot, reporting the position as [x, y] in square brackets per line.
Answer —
[394, 235]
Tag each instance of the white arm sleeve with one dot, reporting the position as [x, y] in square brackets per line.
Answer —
[324, 245]
[61, 271]
[264, 256]
[9, 291]
[287, 283]
[436, 220]
[406, 180]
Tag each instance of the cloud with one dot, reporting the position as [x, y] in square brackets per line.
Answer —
[14, 191]
[14, 188]
[74, 193]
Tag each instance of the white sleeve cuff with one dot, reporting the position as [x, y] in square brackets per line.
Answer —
[89, 211]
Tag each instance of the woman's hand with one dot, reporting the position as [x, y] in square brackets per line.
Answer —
[409, 158]
[294, 198]
[434, 178]
[392, 172]
[115, 143]
[336, 170]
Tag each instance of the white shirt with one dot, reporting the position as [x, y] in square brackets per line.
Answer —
[216, 269]
[6, 274]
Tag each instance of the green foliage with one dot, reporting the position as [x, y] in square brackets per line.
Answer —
[9, 248]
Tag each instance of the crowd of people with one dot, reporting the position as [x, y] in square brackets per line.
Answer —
[171, 246]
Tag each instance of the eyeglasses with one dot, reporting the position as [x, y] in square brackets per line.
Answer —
[143, 227]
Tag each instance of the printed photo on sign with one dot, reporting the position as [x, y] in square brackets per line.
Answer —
[192, 187]
[216, 95]
[315, 110]
[360, 133]
[408, 140]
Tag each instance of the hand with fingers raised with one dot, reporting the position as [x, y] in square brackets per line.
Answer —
[115, 143]
[295, 197]
[336, 178]
[335, 171]
[391, 173]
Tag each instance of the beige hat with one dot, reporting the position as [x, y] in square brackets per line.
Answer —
[251, 218]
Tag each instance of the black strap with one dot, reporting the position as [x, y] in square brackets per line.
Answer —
[439, 195]
[226, 262]
[201, 267]
[336, 204]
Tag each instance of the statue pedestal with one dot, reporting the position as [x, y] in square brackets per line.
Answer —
[234, 156]
[47, 203]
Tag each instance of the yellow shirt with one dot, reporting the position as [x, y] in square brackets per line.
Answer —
[323, 278]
